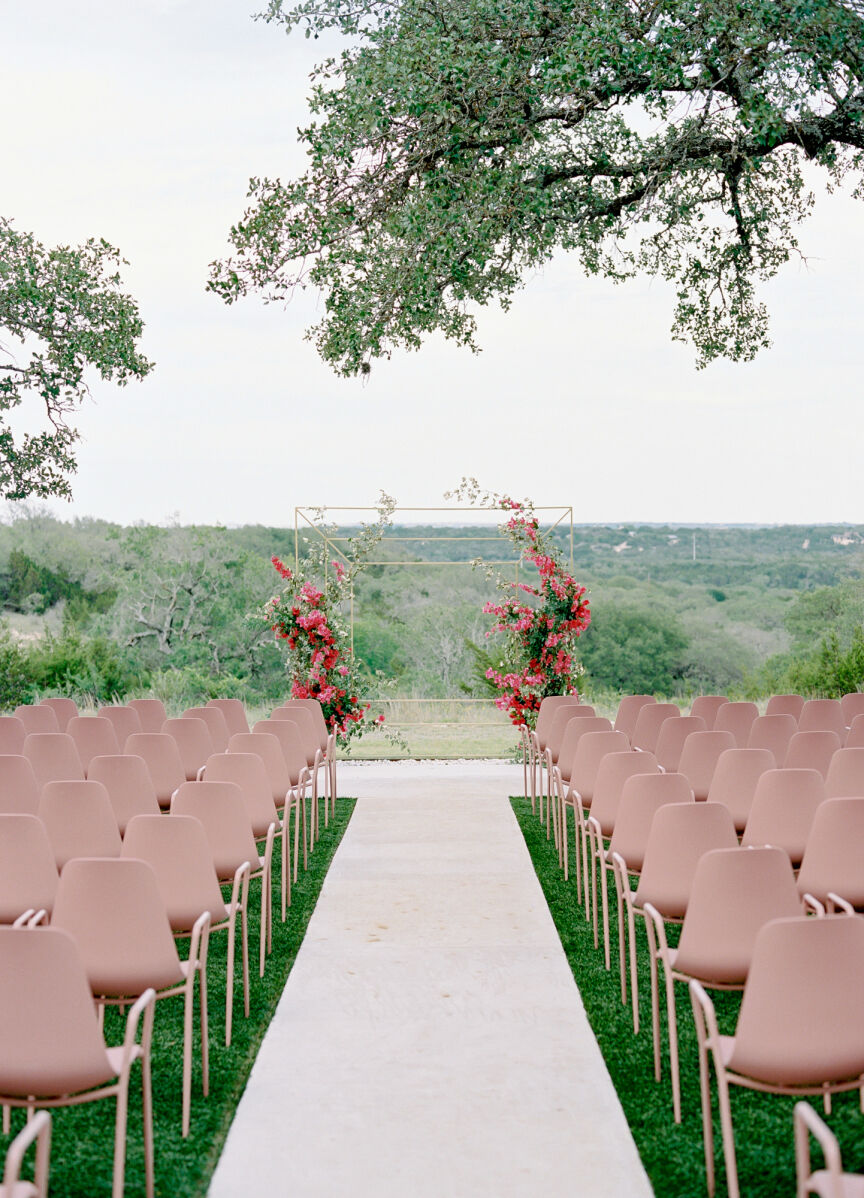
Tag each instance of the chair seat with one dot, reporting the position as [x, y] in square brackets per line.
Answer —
[796, 1069]
[19, 1078]
[713, 970]
[821, 1182]
[133, 977]
[182, 918]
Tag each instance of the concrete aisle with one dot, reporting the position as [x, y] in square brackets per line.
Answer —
[430, 1042]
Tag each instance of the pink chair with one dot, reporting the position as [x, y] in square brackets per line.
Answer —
[53, 756]
[733, 894]
[783, 809]
[28, 871]
[823, 715]
[52, 1052]
[707, 706]
[162, 757]
[151, 713]
[671, 738]
[830, 1182]
[833, 862]
[234, 713]
[648, 723]
[799, 1028]
[12, 734]
[193, 741]
[736, 718]
[216, 723]
[124, 720]
[785, 705]
[855, 735]
[628, 712]
[772, 732]
[130, 788]
[812, 751]
[326, 740]
[37, 717]
[65, 709]
[113, 910]
[852, 705]
[79, 820]
[37, 1131]
[699, 758]
[576, 776]
[94, 736]
[845, 774]
[19, 788]
[735, 778]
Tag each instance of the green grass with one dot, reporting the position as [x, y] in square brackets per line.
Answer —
[673, 1155]
[82, 1137]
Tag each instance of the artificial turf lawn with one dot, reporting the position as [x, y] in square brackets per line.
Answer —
[673, 1155]
[83, 1137]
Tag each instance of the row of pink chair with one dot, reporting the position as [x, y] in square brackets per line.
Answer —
[739, 906]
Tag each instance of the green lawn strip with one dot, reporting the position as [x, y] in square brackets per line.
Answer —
[82, 1137]
[673, 1155]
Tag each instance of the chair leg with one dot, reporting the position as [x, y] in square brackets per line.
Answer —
[120, 1138]
[634, 974]
[147, 1113]
[229, 979]
[187, 1055]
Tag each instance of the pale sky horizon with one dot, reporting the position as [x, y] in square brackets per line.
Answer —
[143, 124]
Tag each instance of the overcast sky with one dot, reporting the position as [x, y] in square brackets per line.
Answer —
[142, 123]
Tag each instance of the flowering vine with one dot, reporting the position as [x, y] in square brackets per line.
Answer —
[309, 616]
[539, 623]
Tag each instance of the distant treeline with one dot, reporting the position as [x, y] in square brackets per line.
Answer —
[104, 610]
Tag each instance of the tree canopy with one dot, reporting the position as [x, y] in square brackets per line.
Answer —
[457, 144]
[61, 310]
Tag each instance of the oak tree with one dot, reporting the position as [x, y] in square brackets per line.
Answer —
[458, 144]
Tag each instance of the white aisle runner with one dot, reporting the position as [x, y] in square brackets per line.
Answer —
[430, 1041]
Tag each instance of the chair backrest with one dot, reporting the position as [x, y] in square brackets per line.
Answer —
[772, 732]
[317, 712]
[707, 706]
[783, 808]
[221, 809]
[63, 707]
[125, 720]
[162, 758]
[855, 735]
[671, 738]
[308, 729]
[680, 834]
[785, 705]
[648, 723]
[112, 907]
[612, 772]
[591, 748]
[37, 717]
[812, 751]
[834, 857]
[250, 774]
[234, 713]
[193, 741]
[852, 704]
[151, 713]
[19, 787]
[562, 717]
[216, 725]
[822, 715]
[845, 774]
[800, 1019]
[130, 788]
[563, 751]
[629, 707]
[53, 756]
[50, 1041]
[291, 740]
[733, 894]
[642, 796]
[79, 820]
[699, 758]
[28, 871]
[269, 749]
[546, 714]
[179, 854]
[12, 734]
[94, 736]
[735, 778]
[736, 718]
